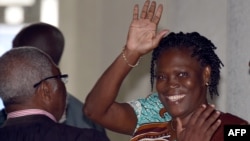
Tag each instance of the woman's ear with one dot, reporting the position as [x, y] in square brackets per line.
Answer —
[207, 75]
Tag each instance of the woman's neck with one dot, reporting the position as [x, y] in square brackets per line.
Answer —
[186, 118]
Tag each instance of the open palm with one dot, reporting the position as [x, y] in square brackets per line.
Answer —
[142, 36]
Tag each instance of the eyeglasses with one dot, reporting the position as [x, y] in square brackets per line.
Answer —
[63, 77]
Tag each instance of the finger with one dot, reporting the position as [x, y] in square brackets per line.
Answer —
[213, 128]
[205, 115]
[207, 112]
[159, 36]
[136, 12]
[158, 14]
[196, 114]
[145, 9]
[211, 120]
[178, 126]
[151, 10]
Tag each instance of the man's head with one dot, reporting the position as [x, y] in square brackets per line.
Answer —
[43, 36]
[20, 70]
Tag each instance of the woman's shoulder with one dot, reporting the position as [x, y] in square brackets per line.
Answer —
[228, 118]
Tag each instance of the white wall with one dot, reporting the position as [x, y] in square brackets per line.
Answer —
[238, 56]
[96, 30]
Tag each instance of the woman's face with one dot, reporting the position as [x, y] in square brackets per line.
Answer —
[181, 81]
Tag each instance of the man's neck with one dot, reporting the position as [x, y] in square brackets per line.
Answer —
[26, 112]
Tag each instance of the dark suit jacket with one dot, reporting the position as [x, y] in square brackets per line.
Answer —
[74, 115]
[2, 116]
[42, 128]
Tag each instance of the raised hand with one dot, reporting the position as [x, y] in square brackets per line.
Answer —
[143, 36]
[201, 126]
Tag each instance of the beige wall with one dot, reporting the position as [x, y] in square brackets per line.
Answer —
[96, 31]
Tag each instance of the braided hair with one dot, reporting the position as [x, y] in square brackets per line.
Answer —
[201, 47]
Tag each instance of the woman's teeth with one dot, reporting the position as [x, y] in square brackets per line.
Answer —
[175, 97]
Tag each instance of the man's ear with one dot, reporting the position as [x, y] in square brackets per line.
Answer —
[207, 75]
[44, 92]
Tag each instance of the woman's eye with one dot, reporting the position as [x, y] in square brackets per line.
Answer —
[160, 77]
[183, 74]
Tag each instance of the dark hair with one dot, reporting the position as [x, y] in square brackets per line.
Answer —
[201, 47]
[43, 36]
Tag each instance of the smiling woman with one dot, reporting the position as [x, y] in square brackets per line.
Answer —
[185, 67]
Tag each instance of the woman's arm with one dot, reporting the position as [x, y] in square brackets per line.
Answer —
[100, 103]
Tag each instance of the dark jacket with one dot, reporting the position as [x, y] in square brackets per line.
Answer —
[42, 128]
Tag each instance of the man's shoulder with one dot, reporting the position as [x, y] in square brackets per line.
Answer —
[46, 129]
[81, 133]
[227, 119]
[73, 100]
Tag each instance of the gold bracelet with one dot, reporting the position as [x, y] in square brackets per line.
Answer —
[126, 60]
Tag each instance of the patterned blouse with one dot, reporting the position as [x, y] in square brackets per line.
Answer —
[153, 121]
